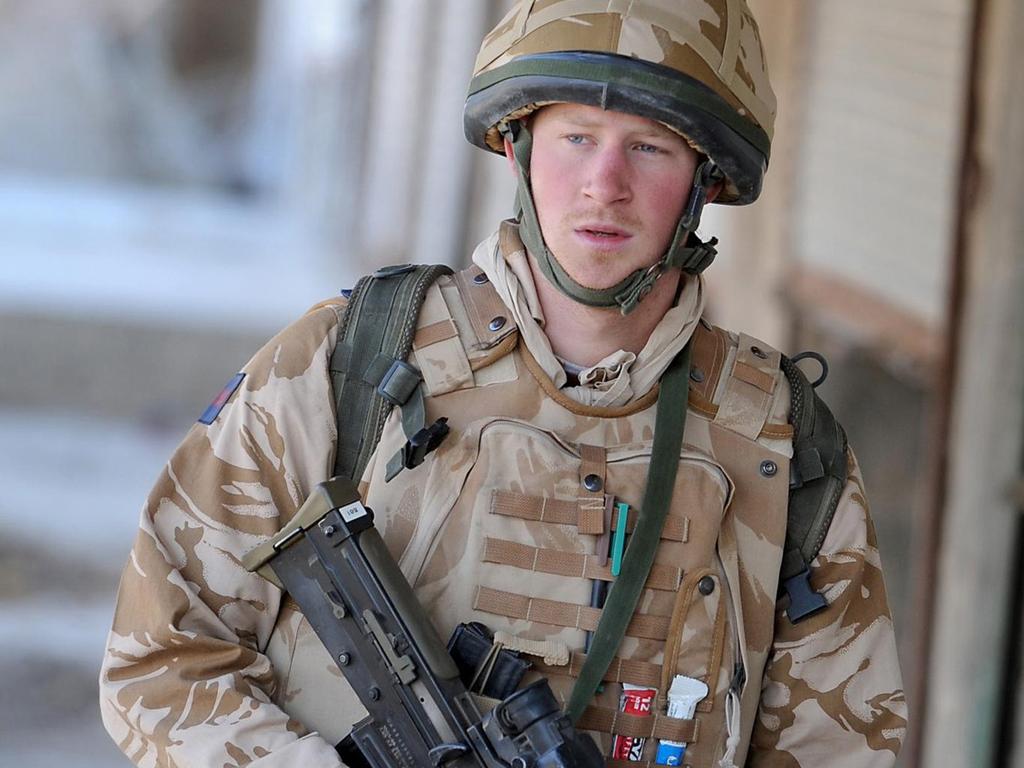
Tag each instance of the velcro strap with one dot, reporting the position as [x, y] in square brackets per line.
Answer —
[562, 512]
[756, 378]
[434, 333]
[749, 389]
[562, 614]
[576, 564]
[660, 727]
[590, 519]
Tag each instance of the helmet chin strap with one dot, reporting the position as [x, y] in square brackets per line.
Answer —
[686, 251]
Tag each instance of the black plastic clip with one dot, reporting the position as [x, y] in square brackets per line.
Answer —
[803, 600]
[423, 442]
[398, 384]
[820, 360]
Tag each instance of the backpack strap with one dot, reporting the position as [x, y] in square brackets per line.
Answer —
[818, 474]
[370, 373]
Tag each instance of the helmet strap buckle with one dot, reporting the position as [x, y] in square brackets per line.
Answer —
[639, 289]
[704, 178]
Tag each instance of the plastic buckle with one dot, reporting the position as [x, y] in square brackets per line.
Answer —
[399, 382]
[803, 601]
[703, 180]
[423, 442]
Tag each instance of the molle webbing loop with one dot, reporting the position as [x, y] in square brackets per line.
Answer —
[625, 591]
[817, 476]
[687, 251]
[368, 368]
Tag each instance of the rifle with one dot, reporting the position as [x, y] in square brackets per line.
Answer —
[334, 563]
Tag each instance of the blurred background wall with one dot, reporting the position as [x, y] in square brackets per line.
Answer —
[179, 179]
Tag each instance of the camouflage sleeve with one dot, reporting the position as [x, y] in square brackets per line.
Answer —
[184, 680]
[832, 692]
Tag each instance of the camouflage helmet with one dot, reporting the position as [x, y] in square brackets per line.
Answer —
[695, 65]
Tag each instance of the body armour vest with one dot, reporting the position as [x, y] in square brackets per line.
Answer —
[507, 523]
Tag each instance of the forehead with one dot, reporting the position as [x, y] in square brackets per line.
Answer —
[585, 116]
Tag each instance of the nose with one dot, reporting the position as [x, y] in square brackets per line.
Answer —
[607, 178]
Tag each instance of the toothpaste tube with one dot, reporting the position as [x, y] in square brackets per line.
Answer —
[683, 697]
[635, 700]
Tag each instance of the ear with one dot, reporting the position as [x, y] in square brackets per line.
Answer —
[510, 156]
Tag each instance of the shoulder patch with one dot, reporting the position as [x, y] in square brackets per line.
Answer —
[213, 409]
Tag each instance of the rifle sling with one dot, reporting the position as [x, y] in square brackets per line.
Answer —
[670, 421]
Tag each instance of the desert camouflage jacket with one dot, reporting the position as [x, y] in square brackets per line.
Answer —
[209, 665]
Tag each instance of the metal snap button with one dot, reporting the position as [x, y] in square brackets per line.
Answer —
[697, 375]
[758, 352]
[497, 323]
[480, 279]
[592, 483]
[706, 586]
[769, 468]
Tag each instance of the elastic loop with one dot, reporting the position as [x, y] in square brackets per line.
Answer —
[820, 359]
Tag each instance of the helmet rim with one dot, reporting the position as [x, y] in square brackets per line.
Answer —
[738, 145]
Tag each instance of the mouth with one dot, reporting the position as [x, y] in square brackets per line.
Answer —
[601, 230]
[598, 233]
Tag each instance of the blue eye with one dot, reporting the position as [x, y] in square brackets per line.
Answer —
[648, 148]
[574, 138]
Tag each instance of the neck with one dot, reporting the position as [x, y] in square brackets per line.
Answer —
[586, 335]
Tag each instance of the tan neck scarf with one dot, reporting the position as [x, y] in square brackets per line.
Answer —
[619, 378]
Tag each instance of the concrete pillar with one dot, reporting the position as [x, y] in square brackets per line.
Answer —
[968, 668]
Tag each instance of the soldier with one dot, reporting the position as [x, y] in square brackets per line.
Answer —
[547, 357]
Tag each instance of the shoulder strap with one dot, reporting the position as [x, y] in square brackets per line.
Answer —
[368, 368]
[818, 473]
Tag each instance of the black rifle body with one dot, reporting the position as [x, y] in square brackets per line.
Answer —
[335, 564]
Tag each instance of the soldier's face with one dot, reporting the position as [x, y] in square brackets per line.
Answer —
[609, 189]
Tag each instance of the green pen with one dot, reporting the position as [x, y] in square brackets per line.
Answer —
[619, 542]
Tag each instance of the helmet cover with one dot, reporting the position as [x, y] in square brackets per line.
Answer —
[697, 66]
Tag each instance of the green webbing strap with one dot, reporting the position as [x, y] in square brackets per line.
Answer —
[377, 329]
[626, 589]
